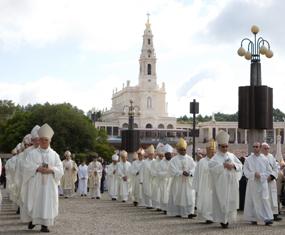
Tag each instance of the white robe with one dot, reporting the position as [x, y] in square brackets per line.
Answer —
[146, 181]
[273, 184]
[136, 185]
[155, 195]
[82, 179]
[257, 205]
[203, 188]
[94, 180]
[164, 183]
[69, 177]
[225, 186]
[10, 168]
[113, 180]
[181, 199]
[43, 188]
[124, 171]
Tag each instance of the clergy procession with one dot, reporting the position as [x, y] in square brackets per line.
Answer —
[162, 179]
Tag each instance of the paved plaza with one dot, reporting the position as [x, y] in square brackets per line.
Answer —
[87, 216]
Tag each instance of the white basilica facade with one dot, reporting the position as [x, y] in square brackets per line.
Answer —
[152, 118]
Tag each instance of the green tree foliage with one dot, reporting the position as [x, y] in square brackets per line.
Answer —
[73, 130]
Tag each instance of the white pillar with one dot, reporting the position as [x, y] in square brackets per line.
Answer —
[245, 136]
[210, 133]
[274, 136]
[264, 136]
[236, 136]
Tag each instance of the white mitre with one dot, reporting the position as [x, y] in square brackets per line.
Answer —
[167, 148]
[159, 148]
[115, 157]
[222, 137]
[123, 153]
[27, 139]
[34, 132]
[45, 131]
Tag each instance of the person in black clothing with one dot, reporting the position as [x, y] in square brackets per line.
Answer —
[242, 188]
[103, 174]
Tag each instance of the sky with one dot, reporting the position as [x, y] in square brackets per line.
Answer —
[79, 51]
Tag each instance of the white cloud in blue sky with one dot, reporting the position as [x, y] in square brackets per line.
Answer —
[78, 51]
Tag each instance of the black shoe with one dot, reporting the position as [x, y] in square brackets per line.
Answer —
[209, 222]
[97, 197]
[18, 211]
[123, 201]
[268, 222]
[191, 216]
[225, 225]
[158, 209]
[149, 207]
[85, 195]
[135, 203]
[165, 212]
[31, 225]
[92, 197]
[81, 195]
[276, 218]
[44, 229]
[253, 222]
[65, 197]
[114, 199]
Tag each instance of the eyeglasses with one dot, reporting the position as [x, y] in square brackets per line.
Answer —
[224, 146]
[255, 146]
[266, 148]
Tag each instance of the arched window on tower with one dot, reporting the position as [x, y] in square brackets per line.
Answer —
[148, 41]
[149, 102]
[148, 69]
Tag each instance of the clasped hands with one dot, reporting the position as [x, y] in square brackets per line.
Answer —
[45, 170]
[229, 166]
[125, 178]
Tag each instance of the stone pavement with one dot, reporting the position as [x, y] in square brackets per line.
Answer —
[87, 216]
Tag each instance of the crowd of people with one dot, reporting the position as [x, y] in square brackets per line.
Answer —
[211, 187]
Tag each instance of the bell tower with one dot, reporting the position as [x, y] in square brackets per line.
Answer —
[147, 75]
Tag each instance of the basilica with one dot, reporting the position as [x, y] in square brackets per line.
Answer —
[147, 100]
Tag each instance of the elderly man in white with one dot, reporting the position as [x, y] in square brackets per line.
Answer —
[225, 172]
[95, 170]
[124, 176]
[182, 167]
[42, 172]
[202, 185]
[113, 179]
[135, 172]
[272, 180]
[70, 175]
[146, 177]
[257, 204]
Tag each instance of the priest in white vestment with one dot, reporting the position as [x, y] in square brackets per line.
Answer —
[182, 167]
[257, 204]
[95, 170]
[272, 180]
[135, 172]
[42, 172]
[165, 177]
[82, 179]
[70, 175]
[113, 179]
[24, 187]
[10, 169]
[225, 172]
[202, 185]
[123, 169]
[146, 177]
[155, 169]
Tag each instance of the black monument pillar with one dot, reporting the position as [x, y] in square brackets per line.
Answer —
[130, 137]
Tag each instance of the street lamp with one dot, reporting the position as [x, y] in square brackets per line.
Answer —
[256, 100]
[194, 109]
[254, 49]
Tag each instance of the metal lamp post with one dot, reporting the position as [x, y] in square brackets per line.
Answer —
[256, 100]
[194, 109]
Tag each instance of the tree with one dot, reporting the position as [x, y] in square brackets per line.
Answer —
[73, 130]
